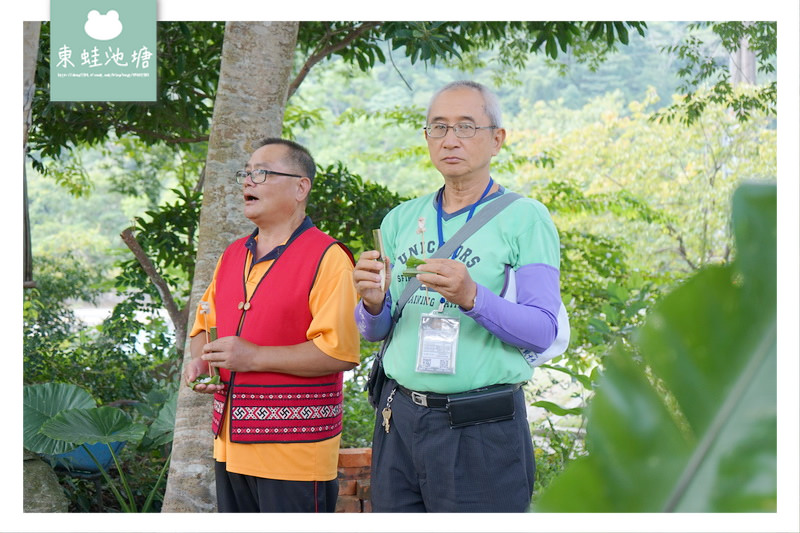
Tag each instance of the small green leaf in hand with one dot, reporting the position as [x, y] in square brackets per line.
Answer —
[411, 265]
[204, 379]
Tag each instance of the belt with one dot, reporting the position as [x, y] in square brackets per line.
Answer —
[438, 401]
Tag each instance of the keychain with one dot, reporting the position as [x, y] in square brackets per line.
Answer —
[387, 411]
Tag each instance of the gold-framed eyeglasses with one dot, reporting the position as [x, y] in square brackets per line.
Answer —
[259, 175]
[463, 130]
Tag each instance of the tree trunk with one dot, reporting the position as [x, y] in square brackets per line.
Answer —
[254, 78]
[30, 45]
[743, 64]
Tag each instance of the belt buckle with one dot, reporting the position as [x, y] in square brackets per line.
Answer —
[419, 398]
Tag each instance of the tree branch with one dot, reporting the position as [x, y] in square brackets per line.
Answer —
[176, 315]
[325, 51]
[200, 180]
[122, 128]
[681, 246]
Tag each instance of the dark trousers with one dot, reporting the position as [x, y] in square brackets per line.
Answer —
[239, 493]
[422, 465]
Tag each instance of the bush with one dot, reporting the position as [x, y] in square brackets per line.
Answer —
[126, 361]
[125, 357]
[359, 416]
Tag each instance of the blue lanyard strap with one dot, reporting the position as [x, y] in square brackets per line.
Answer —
[440, 216]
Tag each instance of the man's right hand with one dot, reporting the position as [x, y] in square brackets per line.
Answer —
[367, 279]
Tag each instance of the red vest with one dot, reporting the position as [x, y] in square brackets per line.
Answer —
[270, 406]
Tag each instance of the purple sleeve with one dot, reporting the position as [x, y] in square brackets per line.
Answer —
[531, 322]
[374, 327]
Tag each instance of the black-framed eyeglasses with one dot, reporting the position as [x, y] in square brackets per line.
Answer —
[259, 175]
[463, 130]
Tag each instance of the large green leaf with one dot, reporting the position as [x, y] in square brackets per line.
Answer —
[98, 424]
[160, 431]
[756, 230]
[691, 426]
[733, 468]
[41, 402]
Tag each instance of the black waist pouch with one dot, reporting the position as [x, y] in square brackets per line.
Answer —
[375, 381]
[480, 407]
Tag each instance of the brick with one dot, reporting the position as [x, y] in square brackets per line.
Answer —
[354, 472]
[348, 487]
[355, 457]
[348, 504]
[362, 489]
[366, 506]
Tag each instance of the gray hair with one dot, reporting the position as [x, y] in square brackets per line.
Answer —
[490, 103]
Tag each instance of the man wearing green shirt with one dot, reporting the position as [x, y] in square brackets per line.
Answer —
[451, 433]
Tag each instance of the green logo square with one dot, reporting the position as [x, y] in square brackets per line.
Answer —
[103, 50]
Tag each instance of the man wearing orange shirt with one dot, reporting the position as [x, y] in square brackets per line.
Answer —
[281, 300]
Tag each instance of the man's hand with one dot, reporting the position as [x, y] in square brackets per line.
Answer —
[239, 355]
[451, 279]
[193, 369]
[367, 279]
[232, 353]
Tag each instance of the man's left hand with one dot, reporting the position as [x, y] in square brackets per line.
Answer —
[451, 279]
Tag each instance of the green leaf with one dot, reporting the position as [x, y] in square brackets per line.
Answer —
[39, 404]
[557, 409]
[160, 431]
[414, 261]
[622, 423]
[584, 380]
[617, 293]
[755, 227]
[693, 418]
[551, 47]
[733, 467]
[599, 325]
[98, 424]
[622, 32]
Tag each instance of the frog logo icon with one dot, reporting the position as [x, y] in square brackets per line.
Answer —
[102, 27]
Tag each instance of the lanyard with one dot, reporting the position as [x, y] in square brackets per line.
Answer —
[440, 216]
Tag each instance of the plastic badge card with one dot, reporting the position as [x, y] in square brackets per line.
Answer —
[438, 343]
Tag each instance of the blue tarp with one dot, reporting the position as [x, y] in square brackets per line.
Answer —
[78, 459]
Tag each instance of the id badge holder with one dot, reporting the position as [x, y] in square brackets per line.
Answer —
[438, 343]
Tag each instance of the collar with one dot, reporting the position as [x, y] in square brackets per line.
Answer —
[276, 252]
[447, 216]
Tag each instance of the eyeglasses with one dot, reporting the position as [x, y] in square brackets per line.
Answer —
[259, 175]
[463, 130]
